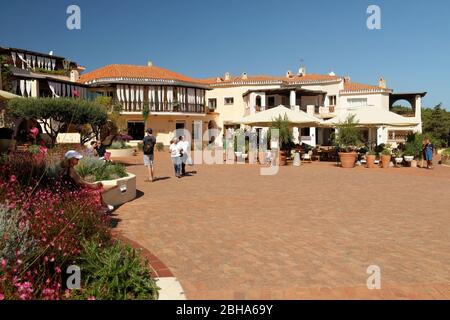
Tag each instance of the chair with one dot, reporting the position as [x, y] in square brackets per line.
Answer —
[307, 157]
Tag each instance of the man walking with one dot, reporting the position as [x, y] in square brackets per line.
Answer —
[148, 148]
[184, 146]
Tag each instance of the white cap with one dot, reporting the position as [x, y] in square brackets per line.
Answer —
[72, 154]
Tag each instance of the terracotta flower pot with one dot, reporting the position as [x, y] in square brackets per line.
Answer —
[370, 159]
[262, 157]
[385, 160]
[347, 159]
[283, 158]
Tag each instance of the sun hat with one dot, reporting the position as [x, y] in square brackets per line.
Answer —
[73, 154]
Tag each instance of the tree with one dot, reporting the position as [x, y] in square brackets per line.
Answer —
[348, 136]
[146, 113]
[57, 114]
[285, 135]
[436, 124]
[90, 117]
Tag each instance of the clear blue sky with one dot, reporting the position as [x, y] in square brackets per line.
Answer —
[209, 37]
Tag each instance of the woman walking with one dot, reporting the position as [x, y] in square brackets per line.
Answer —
[175, 154]
[428, 149]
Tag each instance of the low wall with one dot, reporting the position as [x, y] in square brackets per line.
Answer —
[124, 192]
[121, 153]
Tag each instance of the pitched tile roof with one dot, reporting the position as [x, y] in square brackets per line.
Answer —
[264, 79]
[135, 72]
[361, 87]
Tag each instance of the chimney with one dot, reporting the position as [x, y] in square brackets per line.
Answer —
[302, 71]
[288, 74]
[150, 63]
[74, 75]
[227, 76]
[244, 76]
[347, 79]
[382, 83]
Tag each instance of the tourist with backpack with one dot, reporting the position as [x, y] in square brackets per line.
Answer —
[148, 148]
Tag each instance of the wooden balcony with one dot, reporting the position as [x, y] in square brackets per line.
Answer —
[164, 107]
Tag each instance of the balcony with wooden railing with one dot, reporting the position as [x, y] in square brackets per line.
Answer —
[164, 107]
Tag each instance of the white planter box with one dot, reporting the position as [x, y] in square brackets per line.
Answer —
[121, 153]
[124, 192]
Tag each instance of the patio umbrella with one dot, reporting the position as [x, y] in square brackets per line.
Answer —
[372, 117]
[266, 117]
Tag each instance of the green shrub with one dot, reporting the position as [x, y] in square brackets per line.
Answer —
[348, 136]
[114, 273]
[386, 151]
[159, 146]
[15, 234]
[446, 152]
[119, 144]
[94, 169]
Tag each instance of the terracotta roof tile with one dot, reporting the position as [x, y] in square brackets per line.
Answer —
[357, 87]
[260, 78]
[132, 71]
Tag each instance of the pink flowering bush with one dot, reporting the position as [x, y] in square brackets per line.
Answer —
[56, 223]
[44, 228]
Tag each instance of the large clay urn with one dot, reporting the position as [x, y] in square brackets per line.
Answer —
[385, 160]
[347, 159]
[370, 159]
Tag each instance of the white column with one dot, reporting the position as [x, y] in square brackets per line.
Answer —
[382, 135]
[292, 98]
[312, 135]
[418, 113]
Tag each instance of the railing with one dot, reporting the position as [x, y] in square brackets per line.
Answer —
[164, 107]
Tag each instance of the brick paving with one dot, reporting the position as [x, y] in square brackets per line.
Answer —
[309, 232]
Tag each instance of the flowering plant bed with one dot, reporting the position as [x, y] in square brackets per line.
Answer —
[45, 229]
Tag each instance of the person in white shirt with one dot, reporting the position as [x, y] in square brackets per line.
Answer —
[184, 147]
[175, 154]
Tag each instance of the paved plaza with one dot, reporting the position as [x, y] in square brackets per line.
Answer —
[309, 232]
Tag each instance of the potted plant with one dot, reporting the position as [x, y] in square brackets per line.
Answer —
[413, 149]
[347, 139]
[445, 157]
[398, 157]
[283, 125]
[370, 159]
[386, 156]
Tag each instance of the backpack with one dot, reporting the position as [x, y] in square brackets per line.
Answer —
[148, 147]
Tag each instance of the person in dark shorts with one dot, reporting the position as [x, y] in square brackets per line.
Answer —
[148, 148]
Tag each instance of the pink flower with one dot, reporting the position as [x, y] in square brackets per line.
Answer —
[43, 149]
[3, 263]
[2, 296]
[12, 179]
[92, 298]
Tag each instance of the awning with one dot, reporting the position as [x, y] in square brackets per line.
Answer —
[266, 117]
[372, 117]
